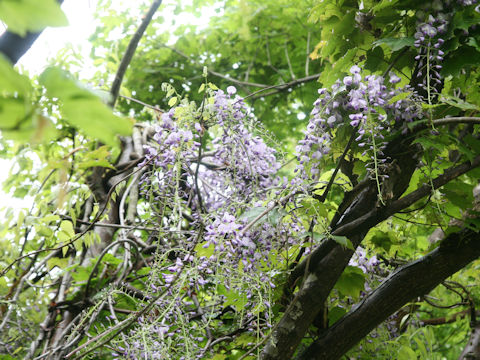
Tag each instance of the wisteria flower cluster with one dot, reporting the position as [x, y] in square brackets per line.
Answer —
[231, 175]
[467, 2]
[235, 164]
[431, 26]
[361, 103]
[429, 44]
[362, 261]
[248, 164]
[174, 141]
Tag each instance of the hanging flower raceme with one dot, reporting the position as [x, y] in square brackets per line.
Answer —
[429, 43]
[227, 177]
[363, 103]
[233, 167]
[241, 163]
[173, 141]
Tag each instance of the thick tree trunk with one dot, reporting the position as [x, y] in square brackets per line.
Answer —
[327, 262]
[325, 265]
[408, 282]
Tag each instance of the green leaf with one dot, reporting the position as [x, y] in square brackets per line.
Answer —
[466, 151]
[66, 231]
[252, 214]
[429, 143]
[67, 227]
[382, 240]
[61, 263]
[170, 91]
[243, 340]
[398, 97]
[43, 230]
[21, 16]
[472, 142]
[406, 353]
[396, 43]
[404, 321]
[11, 81]
[334, 314]
[200, 250]
[81, 274]
[459, 103]
[219, 356]
[3, 288]
[342, 240]
[110, 259]
[351, 282]
[314, 207]
[233, 298]
[82, 109]
[473, 43]
[341, 66]
[375, 59]
[426, 106]
[344, 26]
[50, 218]
[7, 357]
[97, 157]
[275, 216]
[459, 59]
[465, 19]
[324, 10]
[459, 194]
[384, 4]
[15, 101]
[20, 192]
[421, 348]
[144, 271]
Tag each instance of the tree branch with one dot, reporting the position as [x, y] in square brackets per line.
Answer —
[113, 226]
[281, 87]
[215, 73]
[328, 261]
[408, 282]
[445, 319]
[426, 124]
[132, 46]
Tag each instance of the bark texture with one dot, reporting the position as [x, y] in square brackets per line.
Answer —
[324, 266]
[472, 350]
[408, 282]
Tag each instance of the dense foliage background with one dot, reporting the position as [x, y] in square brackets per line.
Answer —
[294, 180]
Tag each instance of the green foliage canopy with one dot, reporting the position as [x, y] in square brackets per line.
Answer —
[119, 242]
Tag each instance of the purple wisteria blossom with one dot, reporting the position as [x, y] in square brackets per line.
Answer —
[362, 103]
[213, 187]
[247, 164]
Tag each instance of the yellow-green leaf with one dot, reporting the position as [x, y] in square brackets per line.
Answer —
[172, 101]
[67, 226]
[21, 16]
[96, 157]
[83, 109]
